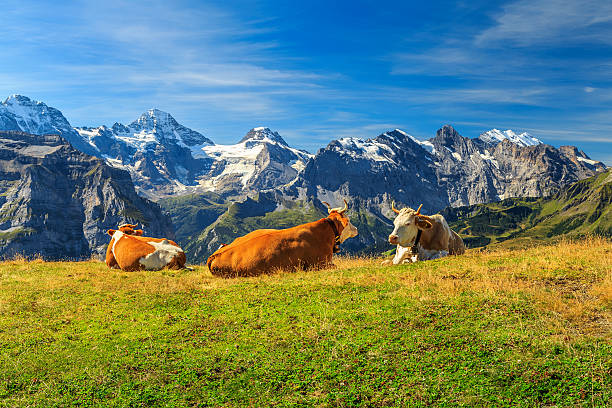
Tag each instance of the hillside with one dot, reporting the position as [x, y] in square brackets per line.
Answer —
[584, 207]
[491, 328]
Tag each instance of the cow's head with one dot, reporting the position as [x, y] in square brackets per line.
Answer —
[128, 229]
[348, 230]
[407, 223]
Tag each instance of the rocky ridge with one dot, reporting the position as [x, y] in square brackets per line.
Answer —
[57, 202]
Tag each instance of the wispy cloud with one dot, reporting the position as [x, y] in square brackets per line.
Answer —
[317, 73]
[164, 50]
[545, 22]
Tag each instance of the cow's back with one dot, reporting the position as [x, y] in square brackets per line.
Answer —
[178, 257]
[265, 251]
[437, 237]
[455, 244]
[128, 250]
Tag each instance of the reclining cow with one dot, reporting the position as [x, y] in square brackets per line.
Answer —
[420, 237]
[130, 251]
[128, 229]
[306, 246]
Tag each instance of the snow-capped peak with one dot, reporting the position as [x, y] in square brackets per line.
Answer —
[152, 120]
[495, 136]
[19, 112]
[427, 145]
[155, 125]
[21, 99]
[261, 134]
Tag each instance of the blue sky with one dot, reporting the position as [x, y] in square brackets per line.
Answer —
[321, 70]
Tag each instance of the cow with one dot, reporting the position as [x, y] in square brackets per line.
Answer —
[306, 246]
[130, 251]
[436, 238]
[128, 229]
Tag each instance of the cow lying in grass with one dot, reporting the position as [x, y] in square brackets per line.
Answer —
[130, 251]
[306, 246]
[436, 238]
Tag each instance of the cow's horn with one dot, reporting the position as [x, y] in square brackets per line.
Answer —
[329, 209]
[418, 211]
[345, 207]
[339, 210]
[395, 210]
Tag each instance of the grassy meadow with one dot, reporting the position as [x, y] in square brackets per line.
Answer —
[500, 327]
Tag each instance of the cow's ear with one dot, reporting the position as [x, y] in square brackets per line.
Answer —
[423, 223]
[138, 232]
[111, 232]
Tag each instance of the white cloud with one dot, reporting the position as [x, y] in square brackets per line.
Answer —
[528, 22]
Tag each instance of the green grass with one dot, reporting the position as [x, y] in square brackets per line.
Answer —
[192, 213]
[17, 232]
[493, 328]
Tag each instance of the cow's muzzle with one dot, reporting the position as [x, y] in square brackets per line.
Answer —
[393, 239]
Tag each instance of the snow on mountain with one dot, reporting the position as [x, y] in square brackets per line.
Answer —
[425, 144]
[367, 149]
[589, 161]
[386, 148]
[151, 128]
[263, 134]
[162, 156]
[495, 136]
[261, 160]
[165, 127]
[19, 112]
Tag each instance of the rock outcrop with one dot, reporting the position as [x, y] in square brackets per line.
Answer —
[57, 202]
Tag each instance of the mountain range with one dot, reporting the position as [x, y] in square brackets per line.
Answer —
[261, 179]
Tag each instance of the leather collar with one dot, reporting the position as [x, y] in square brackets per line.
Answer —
[336, 234]
[415, 248]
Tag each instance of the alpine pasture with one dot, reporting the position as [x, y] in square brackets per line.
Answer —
[529, 327]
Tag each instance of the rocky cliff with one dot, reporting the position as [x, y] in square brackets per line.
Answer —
[57, 202]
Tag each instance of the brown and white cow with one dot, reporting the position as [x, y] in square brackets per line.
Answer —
[306, 246]
[130, 251]
[128, 229]
[437, 239]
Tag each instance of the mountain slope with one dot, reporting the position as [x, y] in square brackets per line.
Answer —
[167, 159]
[262, 160]
[19, 112]
[57, 202]
[155, 149]
[584, 207]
